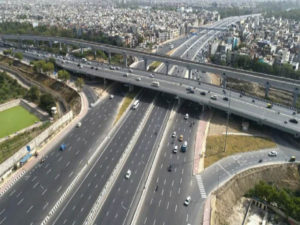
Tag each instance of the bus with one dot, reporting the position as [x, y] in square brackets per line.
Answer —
[135, 104]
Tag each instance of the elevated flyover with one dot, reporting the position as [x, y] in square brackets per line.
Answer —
[268, 81]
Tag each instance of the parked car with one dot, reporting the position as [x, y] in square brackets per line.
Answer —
[272, 153]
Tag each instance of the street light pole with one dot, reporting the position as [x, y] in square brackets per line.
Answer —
[227, 122]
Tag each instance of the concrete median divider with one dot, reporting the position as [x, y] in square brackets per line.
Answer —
[90, 219]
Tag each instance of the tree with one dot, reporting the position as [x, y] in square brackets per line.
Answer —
[33, 94]
[64, 75]
[7, 52]
[47, 102]
[48, 67]
[79, 83]
[19, 55]
[38, 65]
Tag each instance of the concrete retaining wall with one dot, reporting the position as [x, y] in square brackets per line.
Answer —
[7, 165]
[33, 108]
[9, 105]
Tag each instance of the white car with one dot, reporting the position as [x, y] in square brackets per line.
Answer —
[187, 201]
[272, 153]
[128, 174]
[111, 96]
[174, 134]
[138, 79]
[175, 149]
[78, 124]
[213, 97]
[186, 116]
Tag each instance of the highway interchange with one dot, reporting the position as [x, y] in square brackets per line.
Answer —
[35, 194]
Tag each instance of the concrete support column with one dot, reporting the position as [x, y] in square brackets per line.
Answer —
[19, 43]
[125, 60]
[167, 68]
[190, 72]
[145, 64]
[109, 57]
[224, 81]
[60, 48]
[81, 50]
[50, 44]
[104, 82]
[35, 43]
[295, 96]
[95, 54]
[131, 87]
[267, 89]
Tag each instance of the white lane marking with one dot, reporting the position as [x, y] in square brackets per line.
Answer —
[2, 211]
[45, 206]
[175, 207]
[145, 221]
[2, 220]
[168, 205]
[29, 209]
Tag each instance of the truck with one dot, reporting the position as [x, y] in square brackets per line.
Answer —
[135, 104]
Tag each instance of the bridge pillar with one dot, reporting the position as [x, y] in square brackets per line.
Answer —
[145, 64]
[81, 50]
[104, 82]
[224, 81]
[125, 60]
[295, 96]
[109, 57]
[95, 54]
[60, 48]
[131, 87]
[267, 89]
[190, 72]
[167, 68]
[19, 43]
[50, 44]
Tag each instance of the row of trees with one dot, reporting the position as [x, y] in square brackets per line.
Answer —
[286, 200]
[9, 88]
[293, 14]
[45, 101]
[18, 55]
[246, 63]
[27, 28]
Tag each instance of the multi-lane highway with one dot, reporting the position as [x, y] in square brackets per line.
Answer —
[35, 193]
[168, 189]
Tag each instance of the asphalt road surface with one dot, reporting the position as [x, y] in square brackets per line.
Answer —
[167, 191]
[77, 208]
[120, 200]
[37, 191]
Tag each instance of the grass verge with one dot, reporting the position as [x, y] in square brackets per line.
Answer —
[125, 103]
[235, 144]
[12, 145]
[15, 119]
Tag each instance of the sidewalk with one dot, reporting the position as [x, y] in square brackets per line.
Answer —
[200, 144]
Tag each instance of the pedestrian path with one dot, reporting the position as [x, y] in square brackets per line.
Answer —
[201, 186]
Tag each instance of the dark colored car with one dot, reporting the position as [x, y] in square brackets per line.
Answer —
[293, 121]
[225, 99]
[170, 168]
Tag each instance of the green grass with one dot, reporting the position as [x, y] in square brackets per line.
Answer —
[125, 103]
[235, 144]
[12, 145]
[15, 119]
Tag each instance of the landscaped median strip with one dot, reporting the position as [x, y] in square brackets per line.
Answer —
[90, 219]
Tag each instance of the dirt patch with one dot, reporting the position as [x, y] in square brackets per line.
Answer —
[215, 79]
[226, 198]
[219, 121]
